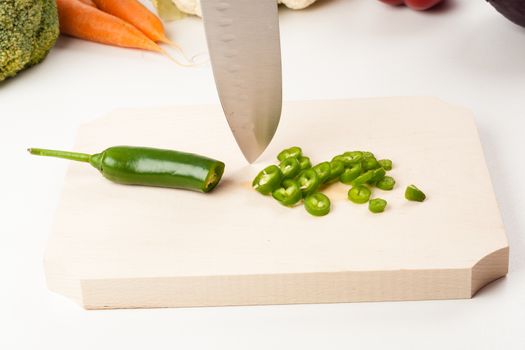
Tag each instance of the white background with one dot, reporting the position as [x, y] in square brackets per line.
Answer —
[465, 53]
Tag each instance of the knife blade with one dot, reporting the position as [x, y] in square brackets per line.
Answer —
[245, 53]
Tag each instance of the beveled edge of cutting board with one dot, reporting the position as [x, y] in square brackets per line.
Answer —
[273, 289]
[296, 288]
[488, 269]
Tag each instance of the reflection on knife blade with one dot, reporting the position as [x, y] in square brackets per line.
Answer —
[244, 46]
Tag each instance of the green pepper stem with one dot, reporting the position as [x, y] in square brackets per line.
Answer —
[80, 157]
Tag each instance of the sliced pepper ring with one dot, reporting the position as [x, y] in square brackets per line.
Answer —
[289, 193]
[337, 168]
[317, 204]
[412, 193]
[267, 180]
[377, 205]
[295, 152]
[387, 183]
[359, 194]
[352, 157]
[378, 174]
[385, 164]
[351, 173]
[349, 158]
[290, 167]
[308, 182]
[323, 171]
[363, 178]
[305, 163]
[369, 161]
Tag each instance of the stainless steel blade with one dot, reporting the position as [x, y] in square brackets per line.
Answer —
[244, 46]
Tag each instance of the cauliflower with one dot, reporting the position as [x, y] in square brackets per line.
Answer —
[28, 30]
[296, 4]
[193, 7]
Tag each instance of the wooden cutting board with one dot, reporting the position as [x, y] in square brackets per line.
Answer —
[116, 246]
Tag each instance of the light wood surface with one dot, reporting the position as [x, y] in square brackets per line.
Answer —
[115, 246]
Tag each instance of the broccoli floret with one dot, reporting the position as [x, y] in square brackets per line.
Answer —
[28, 30]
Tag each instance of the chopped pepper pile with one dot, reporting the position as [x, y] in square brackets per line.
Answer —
[294, 180]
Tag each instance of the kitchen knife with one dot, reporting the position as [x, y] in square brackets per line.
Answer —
[244, 47]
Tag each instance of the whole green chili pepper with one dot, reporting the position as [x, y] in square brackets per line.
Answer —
[317, 204]
[412, 193]
[377, 205]
[323, 171]
[295, 152]
[385, 164]
[359, 194]
[290, 167]
[308, 182]
[268, 180]
[386, 184]
[351, 173]
[149, 166]
[288, 194]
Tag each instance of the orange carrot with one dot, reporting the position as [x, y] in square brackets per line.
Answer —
[89, 2]
[133, 12]
[86, 22]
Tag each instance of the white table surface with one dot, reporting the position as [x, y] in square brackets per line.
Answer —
[465, 53]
